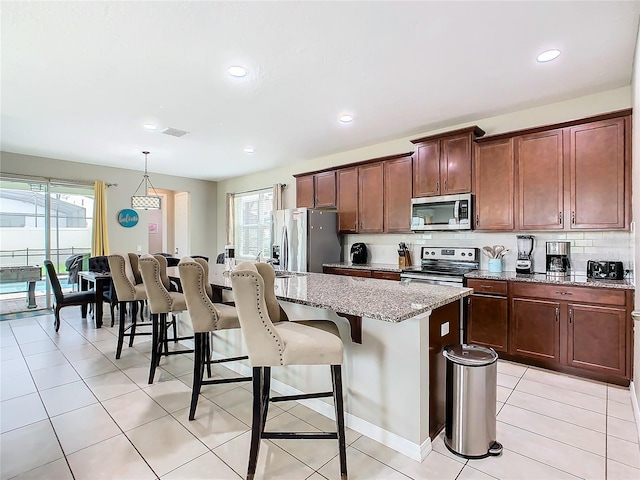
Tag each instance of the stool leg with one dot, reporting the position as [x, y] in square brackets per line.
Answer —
[266, 390]
[336, 378]
[208, 353]
[154, 346]
[199, 339]
[175, 329]
[256, 422]
[120, 330]
[133, 325]
[164, 346]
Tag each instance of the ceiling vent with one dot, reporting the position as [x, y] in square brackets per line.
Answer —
[174, 132]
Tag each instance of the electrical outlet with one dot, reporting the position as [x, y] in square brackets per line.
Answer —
[139, 248]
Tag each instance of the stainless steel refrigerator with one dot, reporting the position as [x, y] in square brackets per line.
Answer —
[303, 239]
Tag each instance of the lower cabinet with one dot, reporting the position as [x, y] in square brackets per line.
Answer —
[583, 331]
[352, 272]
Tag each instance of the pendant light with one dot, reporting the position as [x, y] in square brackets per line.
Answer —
[145, 201]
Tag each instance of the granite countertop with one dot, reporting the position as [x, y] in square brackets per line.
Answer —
[362, 297]
[577, 280]
[386, 267]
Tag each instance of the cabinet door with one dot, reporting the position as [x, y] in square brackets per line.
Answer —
[487, 322]
[540, 181]
[597, 162]
[397, 195]
[304, 192]
[370, 198]
[455, 164]
[325, 189]
[350, 272]
[535, 329]
[597, 339]
[348, 200]
[494, 185]
[426, 169]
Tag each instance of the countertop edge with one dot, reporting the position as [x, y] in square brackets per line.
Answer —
[575, 280]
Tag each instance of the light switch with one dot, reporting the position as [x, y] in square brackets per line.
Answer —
[444, 329]
[139, 248]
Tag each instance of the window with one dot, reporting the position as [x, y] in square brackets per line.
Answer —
[252, 223]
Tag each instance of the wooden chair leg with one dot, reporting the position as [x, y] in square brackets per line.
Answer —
[175, 328]
[266, 390]
[113, 318]
[336, 378]
[208, 353]
[120, 330]
[198, 370]
[256, 422]
[57, 320]
[154, 346]
[133, 324]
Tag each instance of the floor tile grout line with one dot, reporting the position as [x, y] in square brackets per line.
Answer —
[592, 382]
[564, 403]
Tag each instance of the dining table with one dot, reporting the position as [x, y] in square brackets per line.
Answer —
[100, 281]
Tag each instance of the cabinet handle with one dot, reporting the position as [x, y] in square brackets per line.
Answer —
[437, 186]
[486, 286]
[557, 313]
[560, 218]
[477, 219]
[573, 218]
[570, 315]
[564, 293]
[445, 185]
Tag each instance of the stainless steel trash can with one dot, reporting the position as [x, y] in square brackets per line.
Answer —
[470, 408]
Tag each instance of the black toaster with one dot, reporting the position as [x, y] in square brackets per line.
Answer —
[605, 269]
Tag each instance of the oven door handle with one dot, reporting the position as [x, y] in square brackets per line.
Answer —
[433, 279]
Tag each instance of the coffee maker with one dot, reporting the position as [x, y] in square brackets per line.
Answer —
[524, 262]
[558, 259]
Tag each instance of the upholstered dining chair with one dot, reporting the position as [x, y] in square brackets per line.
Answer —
[206, 317]
[162, 302]
[127, 291]
[280, 344]
[100, 264]
[84, 299]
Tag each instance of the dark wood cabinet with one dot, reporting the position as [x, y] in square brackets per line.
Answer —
[442, 163]
[348, 200]
[599, 180]
[397, 195]
[305, 196]
[385, 275]
[356, 272]
[540, 180]
[370, 198]
[597, 338]
[325, 189]
[494, 185]
[487, 314]
[535, 329]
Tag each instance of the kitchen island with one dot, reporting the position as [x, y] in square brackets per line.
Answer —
[394, 378]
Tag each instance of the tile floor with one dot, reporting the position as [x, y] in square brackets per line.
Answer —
[70, 410]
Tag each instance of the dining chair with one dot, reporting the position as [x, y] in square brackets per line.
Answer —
[84, 299]
[206, 317]
[127, 291]
[162, 302]
[100, 264]
[283, 343]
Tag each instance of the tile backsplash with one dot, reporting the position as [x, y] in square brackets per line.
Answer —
[584, 246]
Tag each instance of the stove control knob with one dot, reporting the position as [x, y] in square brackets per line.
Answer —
[433, 253]
[463, 254]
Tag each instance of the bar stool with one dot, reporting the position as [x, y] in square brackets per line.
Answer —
[281, 344]
[206, 317]
[161, 303]
[127, 291]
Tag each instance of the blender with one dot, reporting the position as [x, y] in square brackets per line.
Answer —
[524, 262]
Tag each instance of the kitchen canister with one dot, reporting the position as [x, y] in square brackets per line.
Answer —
[495, 264]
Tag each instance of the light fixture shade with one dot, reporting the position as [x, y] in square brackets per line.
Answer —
[145, 202]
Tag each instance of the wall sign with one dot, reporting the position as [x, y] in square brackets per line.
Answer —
[128, 218]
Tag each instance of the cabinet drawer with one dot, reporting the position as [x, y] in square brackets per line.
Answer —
[495, 287]
[348, 271]
[385, 275]
[570, 293]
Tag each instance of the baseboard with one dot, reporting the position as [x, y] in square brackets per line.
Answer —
[399, 444]
[635, 406]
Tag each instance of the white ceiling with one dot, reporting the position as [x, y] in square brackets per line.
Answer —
[79, 79]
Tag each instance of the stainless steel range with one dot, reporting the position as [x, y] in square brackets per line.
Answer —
[443, 266]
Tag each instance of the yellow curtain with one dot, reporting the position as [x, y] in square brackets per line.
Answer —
[100, 243]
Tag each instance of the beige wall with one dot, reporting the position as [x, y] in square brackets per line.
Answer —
[203, 196]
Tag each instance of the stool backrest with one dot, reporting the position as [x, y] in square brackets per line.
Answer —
[268, 274]
[202, 311]
[99, 264]
[205, 267]
[158, 296]
[135, 267]
[122, 276]
[264, 344]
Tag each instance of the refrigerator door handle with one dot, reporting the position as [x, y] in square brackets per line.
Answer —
[285, 249]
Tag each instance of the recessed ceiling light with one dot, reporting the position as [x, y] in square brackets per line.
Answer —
[548, 55]
[150, 126]
[346, 118]
[249, 150]
[237, 71]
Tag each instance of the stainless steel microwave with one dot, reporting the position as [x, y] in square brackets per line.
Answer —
[446, 212]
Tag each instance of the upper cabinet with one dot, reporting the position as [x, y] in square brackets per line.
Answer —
[348, 200]
[370, 198]
[397, 195]
[442, 163]
[316, 190]
[571, 176]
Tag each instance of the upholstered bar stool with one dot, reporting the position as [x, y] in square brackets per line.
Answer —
[127, 291]
[281, 344]
[162, 302]
[206, 317]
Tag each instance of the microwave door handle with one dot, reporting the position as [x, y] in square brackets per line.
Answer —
[456, 211]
